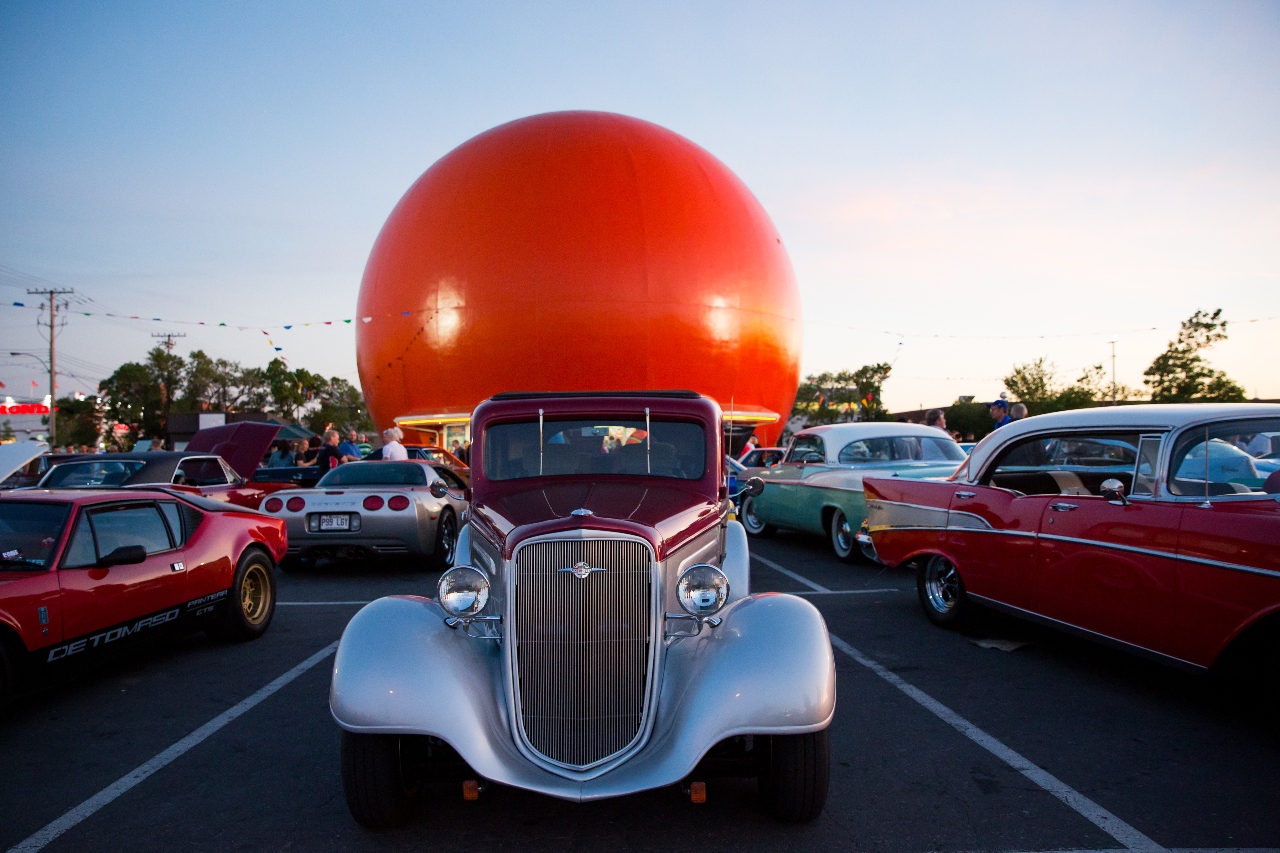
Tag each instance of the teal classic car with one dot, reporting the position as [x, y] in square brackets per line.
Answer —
[817, 487]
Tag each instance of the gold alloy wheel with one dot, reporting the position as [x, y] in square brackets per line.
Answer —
[255, 594]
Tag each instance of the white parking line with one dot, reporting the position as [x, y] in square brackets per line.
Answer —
[131, 779]
[816, 587]
[1131, 838]
[842, 592]
[316, 603]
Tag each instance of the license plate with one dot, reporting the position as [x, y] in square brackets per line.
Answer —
[335, 522]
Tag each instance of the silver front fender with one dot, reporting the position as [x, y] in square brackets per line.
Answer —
[768, 669]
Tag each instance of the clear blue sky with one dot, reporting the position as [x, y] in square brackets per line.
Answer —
[993, 171]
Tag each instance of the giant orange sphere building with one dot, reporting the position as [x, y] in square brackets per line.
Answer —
[576, 251]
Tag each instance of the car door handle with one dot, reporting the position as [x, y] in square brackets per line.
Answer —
[966, 494]
[1061, 507]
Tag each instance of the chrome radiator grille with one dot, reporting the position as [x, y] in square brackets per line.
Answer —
[582, 647]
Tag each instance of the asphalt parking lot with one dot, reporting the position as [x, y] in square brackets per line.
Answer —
[1009, 738]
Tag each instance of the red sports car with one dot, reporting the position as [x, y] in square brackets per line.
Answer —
[1155, 528]
[83, 572]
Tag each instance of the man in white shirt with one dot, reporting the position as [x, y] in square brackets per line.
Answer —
[392, 449]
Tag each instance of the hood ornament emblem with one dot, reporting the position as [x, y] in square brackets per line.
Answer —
[580, 570]
[581, 513]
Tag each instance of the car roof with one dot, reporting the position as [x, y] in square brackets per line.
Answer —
[844, 433]
[1155, 417]
[158, 465]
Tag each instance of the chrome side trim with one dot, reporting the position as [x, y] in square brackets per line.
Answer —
[1085, 633]
[960, 520]
[1184, 558]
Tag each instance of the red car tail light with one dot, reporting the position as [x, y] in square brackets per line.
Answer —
[373, 502]
[296, 504]
[274, 505]
[398, 502]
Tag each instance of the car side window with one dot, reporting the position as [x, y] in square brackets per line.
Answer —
[1065, 464]
[1225, 458]
[807, 448]
[1144, 472]
[81, 552]
[451, 479]
[866, 451]
[130, 524]
[230, 473]
[202, 472]
[173, 517]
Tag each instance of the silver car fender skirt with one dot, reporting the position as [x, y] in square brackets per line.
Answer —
[767, 669]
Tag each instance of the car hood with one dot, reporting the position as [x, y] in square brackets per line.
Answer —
[243, 445]
[13, 456]
[665, 515]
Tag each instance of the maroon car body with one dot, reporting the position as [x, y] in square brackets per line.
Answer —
[1155, 528]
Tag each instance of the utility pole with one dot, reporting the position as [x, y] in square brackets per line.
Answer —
[52, 295]
[168, 339]
[1113, 370]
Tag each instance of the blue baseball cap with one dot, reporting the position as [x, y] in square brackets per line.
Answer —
[1004, 404]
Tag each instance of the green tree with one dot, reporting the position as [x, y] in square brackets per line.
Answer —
[80, 421]
[341, 407]
[826, 398]
[1181, 375]
[132, 398]
[167, 373]
[1036, 386]
[6, 432]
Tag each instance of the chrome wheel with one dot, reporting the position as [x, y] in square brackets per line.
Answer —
[842, 541]
[255, 594]
[448, 539]
[752, 522]
[942, 586]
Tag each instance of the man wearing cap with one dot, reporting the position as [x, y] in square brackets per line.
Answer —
[1000, 413]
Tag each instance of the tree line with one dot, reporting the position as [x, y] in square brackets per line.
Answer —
[1180, 374]
[142, 396]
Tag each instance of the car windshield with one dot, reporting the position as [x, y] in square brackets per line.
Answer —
[375, 474]
[598, 446]
[97, 472]
[29, 533]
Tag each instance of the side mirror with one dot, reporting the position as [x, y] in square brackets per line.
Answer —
[1113, 491]
[754, 487]
[125, 555]
[438, 489]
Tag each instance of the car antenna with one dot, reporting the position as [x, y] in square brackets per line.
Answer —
[1206, 468]
[648, 443]
[539, 442]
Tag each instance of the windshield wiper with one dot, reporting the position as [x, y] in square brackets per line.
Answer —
[9, 564]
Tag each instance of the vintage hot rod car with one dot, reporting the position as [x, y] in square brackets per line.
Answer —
[598, 636]
[1147, 527]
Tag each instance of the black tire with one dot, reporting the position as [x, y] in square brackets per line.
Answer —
[843, 538]
[251, 604]
[379, 792]
[754, 526]
[941, 592]
[8, 676]
[794, 775]
[446, 546]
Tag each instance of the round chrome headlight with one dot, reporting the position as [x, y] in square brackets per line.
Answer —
[463, 591]
[702, 590]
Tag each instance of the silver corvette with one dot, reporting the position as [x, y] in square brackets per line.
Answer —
[374, 509]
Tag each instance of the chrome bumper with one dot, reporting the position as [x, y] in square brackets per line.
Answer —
[768, 669]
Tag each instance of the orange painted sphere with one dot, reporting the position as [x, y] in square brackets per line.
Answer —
[577, 251]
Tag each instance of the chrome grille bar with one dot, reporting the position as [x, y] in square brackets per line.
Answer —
[582, 647]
